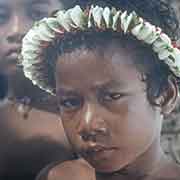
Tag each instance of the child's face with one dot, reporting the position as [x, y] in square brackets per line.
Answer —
[104, 108]
[16, 17]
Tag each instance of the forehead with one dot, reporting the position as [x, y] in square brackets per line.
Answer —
[91, 68]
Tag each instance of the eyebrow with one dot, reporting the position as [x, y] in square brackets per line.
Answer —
[70, 91]
[109, 84]
[66, 91]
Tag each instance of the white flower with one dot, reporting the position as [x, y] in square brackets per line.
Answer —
[163, 54]
[169, 62]
[97, 14]
[153, 36]
[54, 25]
[28, 74]
[30, 47]
[31, 37]
[176, 53]
[90, 18]
[78, 17]
[126, 21]
[162, 42]
[64, 19]
[44, 33]
[136, 30]
[31, 55]
[145, 31]
[116, 21]
[159, 45]
[107, 16]
[165, 39]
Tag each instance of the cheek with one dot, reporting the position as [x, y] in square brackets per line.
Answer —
[142, 123]
[69, 125]
[72, 134]
[136, 122]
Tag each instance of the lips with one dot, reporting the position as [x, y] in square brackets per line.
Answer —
[97, 151]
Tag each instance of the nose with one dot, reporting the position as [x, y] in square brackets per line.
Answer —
[92, 124]
[17, 30]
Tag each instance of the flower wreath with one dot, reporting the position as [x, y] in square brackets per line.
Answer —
[47, 30]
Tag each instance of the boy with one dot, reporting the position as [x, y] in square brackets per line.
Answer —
[26, 145]
[115, 77]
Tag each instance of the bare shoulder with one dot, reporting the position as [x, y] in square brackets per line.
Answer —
[75, 169]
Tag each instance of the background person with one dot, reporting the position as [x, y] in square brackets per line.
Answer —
[30, 138]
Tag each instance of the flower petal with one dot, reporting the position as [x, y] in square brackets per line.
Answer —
[117, 21]
[98, 16]
[107, 16]
[78, 17]
[126, 21]
[136, 30]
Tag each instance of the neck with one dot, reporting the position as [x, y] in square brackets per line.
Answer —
[146, 165]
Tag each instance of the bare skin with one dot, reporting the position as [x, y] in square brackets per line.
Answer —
[108, 118]
[81, 170]
[27, 145]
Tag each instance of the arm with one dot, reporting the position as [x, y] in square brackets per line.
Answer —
[76, 170]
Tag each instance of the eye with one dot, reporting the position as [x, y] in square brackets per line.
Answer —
[71, 103]
[112, 96]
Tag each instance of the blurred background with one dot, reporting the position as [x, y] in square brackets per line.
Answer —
[171, 128]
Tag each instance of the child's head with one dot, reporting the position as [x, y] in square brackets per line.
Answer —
[114, 75]
[16, 17]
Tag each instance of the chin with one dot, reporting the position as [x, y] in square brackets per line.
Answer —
[108, 166]
[113, 163]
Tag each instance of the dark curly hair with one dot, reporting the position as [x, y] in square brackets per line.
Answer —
[156, 72]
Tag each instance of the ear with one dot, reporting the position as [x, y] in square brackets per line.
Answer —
[168, 98]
